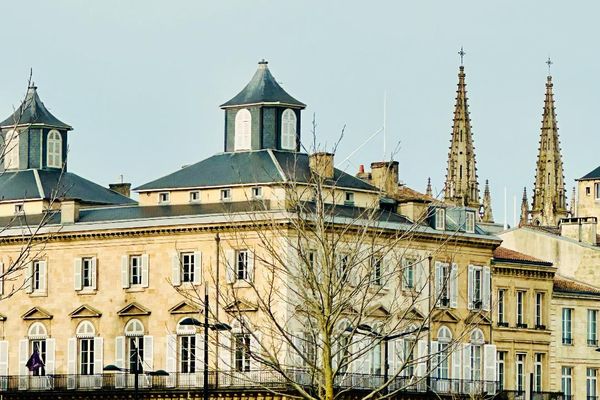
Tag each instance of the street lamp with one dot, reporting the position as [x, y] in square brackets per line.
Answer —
[368, 331]
[218, 326]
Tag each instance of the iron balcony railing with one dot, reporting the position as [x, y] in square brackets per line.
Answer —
[225, 380]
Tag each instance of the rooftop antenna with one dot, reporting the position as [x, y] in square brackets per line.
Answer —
[461, 53]
[384, 121]
[549, 63]
[505, 211]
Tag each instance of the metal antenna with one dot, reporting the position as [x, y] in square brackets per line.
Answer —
[461, 53]
[549, 63]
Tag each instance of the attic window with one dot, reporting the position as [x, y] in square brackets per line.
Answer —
[163, 197]
[11, 149]
[440, 218]
[54, 152]
[225, 194]
[194, 196]
[19, 209]
[349, 199]
[243, 124]
[288, 130]
[597, 191]
[470, 223]
[587, 191]
[257, 192]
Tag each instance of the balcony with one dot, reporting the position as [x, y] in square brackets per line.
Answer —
[234, 380]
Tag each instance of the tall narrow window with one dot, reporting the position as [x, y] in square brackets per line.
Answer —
[187, 261]
[592, 335]
[54, 153]
[521, 309]
[443, 356]
[376, 270]
[443, 283]
[241, 270]
[501, 300]
[567, 314]
[243, 128]
[135, 270]
[566, 382]
[242, 351]
[134, 330]
[539, 310]
[36, 276]
[11, 149]
[470, 222]
[520, 372]
[596, 191]
[477, 272]
[590, 383]
[537, 375]
[500, 369]
[288, 130]
[85, 336]
[408, 274]
[440, 218]
[187, 356]
[477, 342]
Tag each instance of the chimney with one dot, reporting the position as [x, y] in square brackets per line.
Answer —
[582, 229]
[122, 188]
[321, 164]
[69, 211]
[384, 175]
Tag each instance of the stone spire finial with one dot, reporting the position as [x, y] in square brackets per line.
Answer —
[549, 196]
[428, 191]
[488, 215]
[461, 187]
[573, 205]
[524, 209]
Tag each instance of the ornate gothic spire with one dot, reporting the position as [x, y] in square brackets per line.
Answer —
[524, 209]
[549, 200]
[428, 191]
[487, 216]
[461, 185]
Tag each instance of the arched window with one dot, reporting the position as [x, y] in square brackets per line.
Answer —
[189, 348]
[243, 128]
[444, 335]
[54, 153]
[134, 332]
[134, 328]
[87, 348]
[38, 336]
[442, 363]
[37, 331]
[241, 345]
[85, 330]
[11, 149]
[476, 358]
[288, 129]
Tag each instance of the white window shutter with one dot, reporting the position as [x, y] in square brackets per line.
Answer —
[435, 359]
[489, 362]
[120, 352]
[2, 278]
[171, 365]
[230, 265]
[145, 270]
[296, 350]
[255, 351]
[29, 278]
[124, 272]
[175, 269]
[43, 277]
[487, 293]
[98, 354]
[148, 362]
[466, 356]
[454, 286]
[225, 351]
[3, 358]
[439, 281]
[251, 258]
[197, 268]
[422, 357]
[392, 354]
[72, 362]
[456, 361]
[23, 357]
[77, 274]
[470, 287]
[50, 356]
[199, 352]
[94, 272]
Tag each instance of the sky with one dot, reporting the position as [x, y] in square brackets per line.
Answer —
[141, 81]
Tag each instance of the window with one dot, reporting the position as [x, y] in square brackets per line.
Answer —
[470, 223]
[443, 284]
[39, 345]
[257, 192]
[477, 342]
[376, 270]
[187, 355]
[134, 330]
[567, 337]
[187, 261]
[590, 383]
[477, 272]
[501, 300]
[225, 194]
[348, 198]
[539, 310]
[500, 369]
[243, 127]
[342, 266]
[241, 349]
[597, 191]
[19, 209]
[135, 270]
[443, 356]
[54, 154]
[440, 219]
[409, 353]
[408, 275]
[288, 130]
[163, 197]
[592, 335]
[308, 349]
[36, 277]
[521, 309]
[241, 266]
[537, 372]
[375, 355]
[194, 196]
[86, 273]
[11, 151]
[85, 337]
[566, 382]
[520, 372]
[588, 191]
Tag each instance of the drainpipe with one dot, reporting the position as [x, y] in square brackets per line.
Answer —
[217, 294]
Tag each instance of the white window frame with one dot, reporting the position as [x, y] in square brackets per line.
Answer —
[591, 383]
[256, 192]
[349, 198]
[241, 351]
[187, 260]
[11, 149]
[501, 306]
[225, 194]
[408, 274]
[87, 266]
[195, 196]
[501, 369]
[596, 190]
[440, 218]
[243, 130]
[288, 129]
[54, 149]
[85, 334]
[538, 377]
[521, 294]
[187, 353]
[135, 265]
[566, 381]
[377, 270]
[470, 222]
[592, 327]
[241, 265]
[164, 197]
[19, 209]
[539, 309]
[567, 326]
[520, 360]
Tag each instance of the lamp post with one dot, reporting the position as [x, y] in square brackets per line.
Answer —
[189, 321]
[367, 330]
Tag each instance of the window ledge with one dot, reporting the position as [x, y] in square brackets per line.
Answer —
[86, 292]
[38, 294]
[135, 289]
[241, 283]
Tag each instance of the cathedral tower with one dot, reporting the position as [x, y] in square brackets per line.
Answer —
[549, 197]
[461, 186]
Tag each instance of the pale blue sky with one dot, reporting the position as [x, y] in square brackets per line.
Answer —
[141, 81]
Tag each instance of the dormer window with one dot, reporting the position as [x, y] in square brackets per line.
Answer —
[195, 196]
[348, 198]
[163, 197]
[225, 194]
[243, 125]
[257, 192]
[11, 150]
[54, 150]
[440, 218]
[19, 209]
[470, 222]
[288, 129]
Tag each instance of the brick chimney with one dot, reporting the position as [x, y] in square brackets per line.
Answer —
[384, 175]
[69, 211]
[122, 188]
[321, 164]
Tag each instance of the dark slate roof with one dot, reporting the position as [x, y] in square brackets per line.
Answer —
[595, 174]
[248, 167]
[22, 185]
[32, 111]
[262, 88]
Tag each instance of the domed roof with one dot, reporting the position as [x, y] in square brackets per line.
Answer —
[263, 89]
[33, 112]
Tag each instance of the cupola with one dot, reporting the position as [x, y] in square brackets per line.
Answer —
[32, 137]
[262, 116]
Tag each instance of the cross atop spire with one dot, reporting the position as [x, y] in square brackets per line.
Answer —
[461, 53]
[549, 64]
